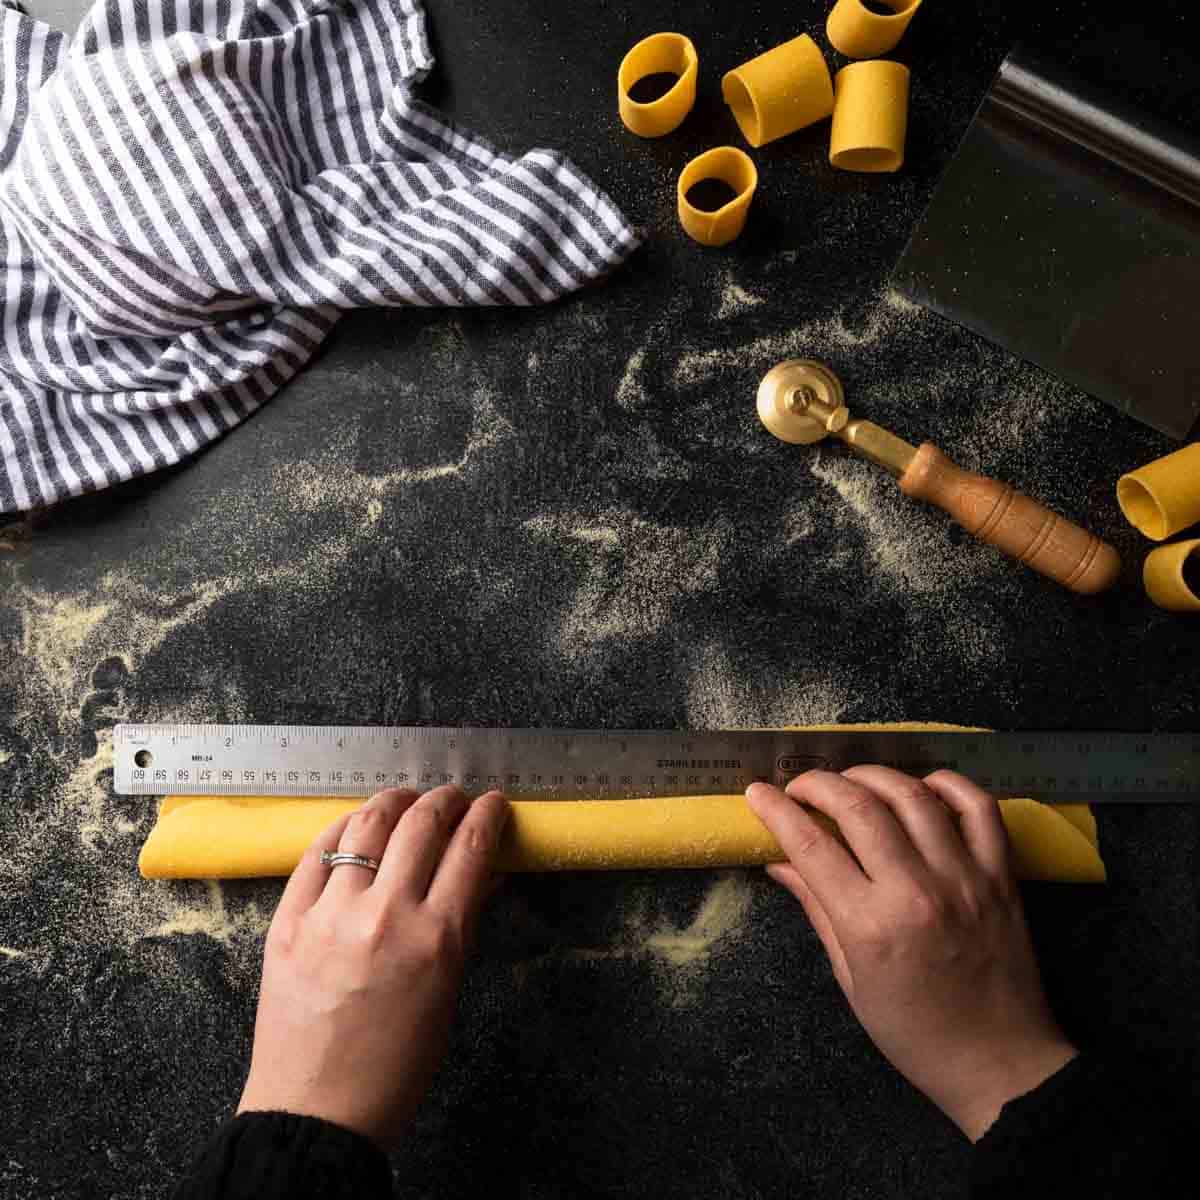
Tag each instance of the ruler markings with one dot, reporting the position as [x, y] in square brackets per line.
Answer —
[352, 760]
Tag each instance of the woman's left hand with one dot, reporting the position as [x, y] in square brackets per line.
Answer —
[362, 969]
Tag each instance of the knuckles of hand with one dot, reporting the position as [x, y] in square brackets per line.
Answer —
[478, 841]
[368, 817]
[426, 938]
[912, 793]
[367, 930]
[419, 936]
[973, 902]
[439, 939]
[425, 820]
[861, 804]
[926, 913]
[809, 842]
[281, 936]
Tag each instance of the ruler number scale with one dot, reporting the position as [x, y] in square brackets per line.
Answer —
[337, 760]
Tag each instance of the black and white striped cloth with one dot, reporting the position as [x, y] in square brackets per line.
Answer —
[191, 191]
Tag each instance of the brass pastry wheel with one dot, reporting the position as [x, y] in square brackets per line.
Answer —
[801, 401]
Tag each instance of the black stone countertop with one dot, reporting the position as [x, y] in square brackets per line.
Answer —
[571, 517]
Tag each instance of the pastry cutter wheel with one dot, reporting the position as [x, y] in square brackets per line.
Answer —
[801, 401]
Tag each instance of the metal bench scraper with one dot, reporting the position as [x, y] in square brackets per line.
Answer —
[1067, 230]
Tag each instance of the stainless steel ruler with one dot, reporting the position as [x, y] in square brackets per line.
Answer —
[338, 760]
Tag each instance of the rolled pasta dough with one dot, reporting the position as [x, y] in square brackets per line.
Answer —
[230, 837]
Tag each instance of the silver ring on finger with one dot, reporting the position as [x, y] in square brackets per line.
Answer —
[342, 858]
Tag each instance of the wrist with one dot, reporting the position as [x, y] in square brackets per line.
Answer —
[1004, 1077]
[347, 1112]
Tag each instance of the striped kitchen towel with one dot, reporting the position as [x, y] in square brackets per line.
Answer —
[191, 191]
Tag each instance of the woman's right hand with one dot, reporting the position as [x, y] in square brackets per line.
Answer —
[925, 931]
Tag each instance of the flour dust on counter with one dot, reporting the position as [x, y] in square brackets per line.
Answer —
[736, 299]
[636, 574]
[326, 480]
[629, 387]
[677, 953]
[68, 880]
[214, 918]
[135, 640]
[911, 555]
[721, 915]
[890, 319]
[72, 841]
[730, 687]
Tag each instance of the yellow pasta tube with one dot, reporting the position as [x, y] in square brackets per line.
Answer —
[1049, 845]
[236, 837]
[206, 837]
[592, 835]
[660, 53]
[1163, 497]
[870, 117]
[719, 831]
[780, 91]
[1079, 815]
[721, 225]
[857, 32]
[1162, 573]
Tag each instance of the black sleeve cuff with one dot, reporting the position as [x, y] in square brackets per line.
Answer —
[264, 1155]
[1099, 1126]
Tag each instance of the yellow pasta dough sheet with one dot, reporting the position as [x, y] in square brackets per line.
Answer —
[233, 837]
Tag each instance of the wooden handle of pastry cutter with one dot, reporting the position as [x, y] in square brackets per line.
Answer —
[997, 514]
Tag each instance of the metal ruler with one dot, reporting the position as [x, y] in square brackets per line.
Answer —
[337, 760]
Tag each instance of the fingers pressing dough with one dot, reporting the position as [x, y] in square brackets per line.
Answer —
[229, 837]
